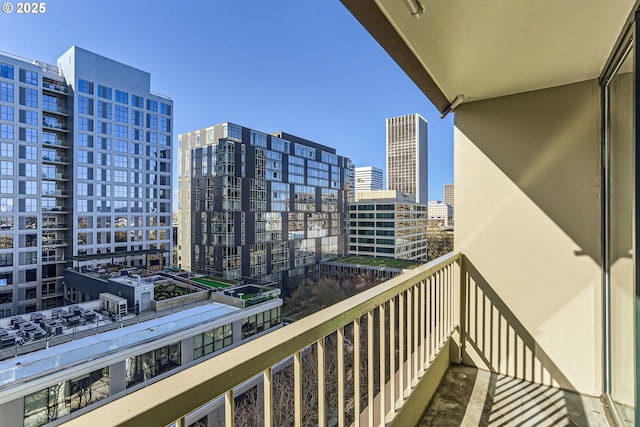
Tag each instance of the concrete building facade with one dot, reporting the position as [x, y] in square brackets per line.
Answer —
[440, 214]
[388, 224]
[85, 173]
[262, 206]
[407, 155]
[368, 178]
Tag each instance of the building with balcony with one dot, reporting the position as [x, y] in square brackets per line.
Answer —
[368, 178]
[407, 155]
[541, 290]
[267, 207]
[388, 224]
[85, 169]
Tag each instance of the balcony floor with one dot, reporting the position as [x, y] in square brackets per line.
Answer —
[471, 397]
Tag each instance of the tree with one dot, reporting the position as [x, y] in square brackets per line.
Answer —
[440, 243]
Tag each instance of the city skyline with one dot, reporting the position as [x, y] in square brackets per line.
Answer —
[337, 86]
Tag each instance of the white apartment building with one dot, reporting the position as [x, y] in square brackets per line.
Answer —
[85, 173]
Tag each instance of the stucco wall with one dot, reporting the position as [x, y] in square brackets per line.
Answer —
[527, 176]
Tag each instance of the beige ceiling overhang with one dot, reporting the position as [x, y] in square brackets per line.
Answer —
[490, 48]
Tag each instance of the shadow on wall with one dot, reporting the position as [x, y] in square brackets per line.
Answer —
[494, 339]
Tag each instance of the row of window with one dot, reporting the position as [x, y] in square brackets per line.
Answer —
[122, 97]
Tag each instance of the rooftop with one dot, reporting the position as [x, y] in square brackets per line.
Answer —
[377, 262]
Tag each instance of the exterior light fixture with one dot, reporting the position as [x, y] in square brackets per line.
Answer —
[415, 7]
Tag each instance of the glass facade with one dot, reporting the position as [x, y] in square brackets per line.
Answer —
[262, 206]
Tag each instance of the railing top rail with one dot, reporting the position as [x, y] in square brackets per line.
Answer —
[166, 400]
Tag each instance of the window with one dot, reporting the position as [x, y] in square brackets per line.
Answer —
[121, 131]
[165, 139]
[29, 97]
[29, 77]
[165, 109]
[31, 205]
[29, 117]
[6, 92]
[148, 365]
[30, 187]
[152, 137]
[29, 169]
[6, 131]
[6, 71]
[6, 113]
[104, 110]
[6, 186]
[6, 241]
[6, 149]
[213, 340]
[152, 121]
[83, 156]
[85, 87]
[6, 168]
[29, 153]
[6, 204]
[152, 105]
[137, 117]
[85, 105]
[137, 101]
[120, 161]
[120, 176]
[122, 114]
[120, 146]
[104, 128]
[122, 97]
[28, 135]
[85, 124]
[84, 140]
[165, 124]
[104, 92]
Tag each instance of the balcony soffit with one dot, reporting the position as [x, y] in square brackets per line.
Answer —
[489, 48]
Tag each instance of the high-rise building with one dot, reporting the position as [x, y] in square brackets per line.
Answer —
[85, 174]
[448, 194]
[388, 224]
[368, 178]
[263, 206]
[448, 199]
[407, 155]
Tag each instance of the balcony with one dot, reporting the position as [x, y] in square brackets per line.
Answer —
[57, 142]
[53, 87]
[416, 317]
[53, 175]
[53, 124]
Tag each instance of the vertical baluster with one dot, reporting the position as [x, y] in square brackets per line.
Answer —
[392, 353]
[267, 381]
[423, 324]
[340, 373]
[416, 331]
[370, 358]
[356, 372]
[383, 374]
[321, 383]
[229, 409]
[409, 337]
[297, 388]
[401, 348]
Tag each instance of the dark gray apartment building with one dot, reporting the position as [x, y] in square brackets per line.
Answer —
[251, 204]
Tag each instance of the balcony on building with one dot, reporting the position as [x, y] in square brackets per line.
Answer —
[539, 293]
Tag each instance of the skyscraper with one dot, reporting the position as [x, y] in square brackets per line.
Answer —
[448, 194]
[85, 174]
[368, 178]
[263, 206]
[407, 155]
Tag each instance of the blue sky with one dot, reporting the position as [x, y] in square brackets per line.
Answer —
[306, 67]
